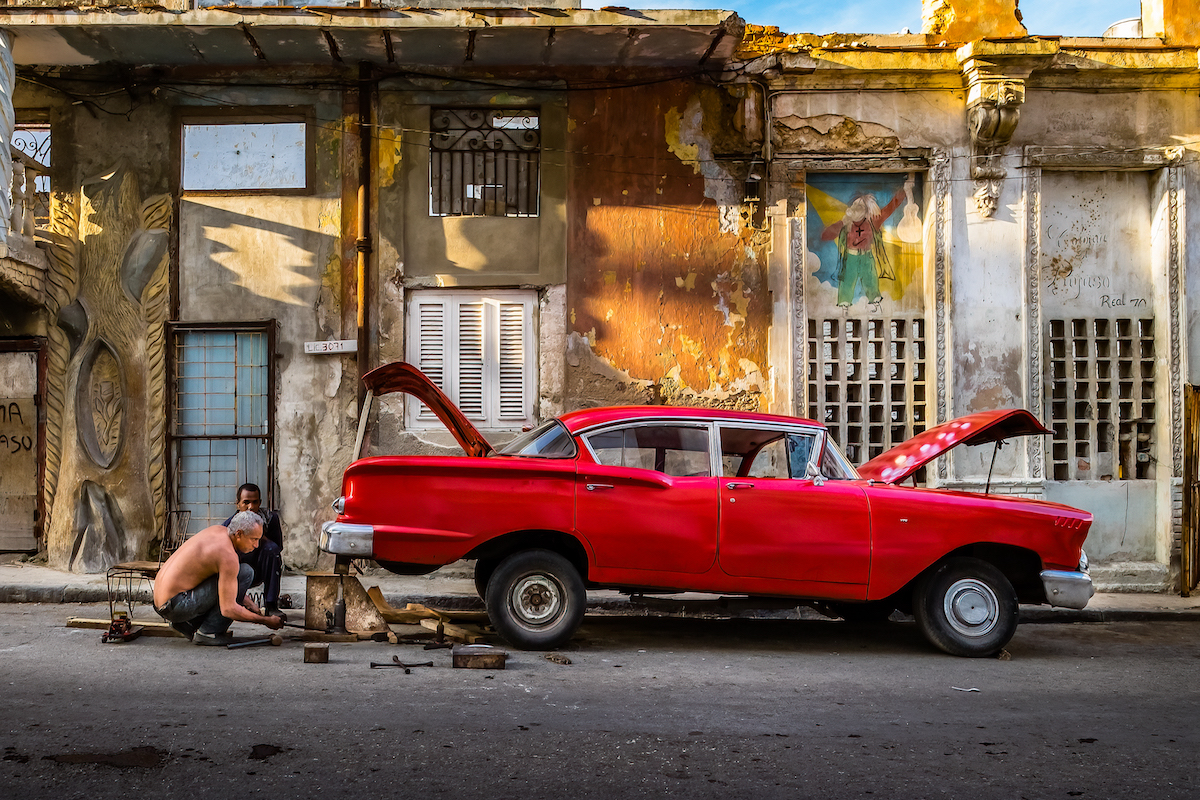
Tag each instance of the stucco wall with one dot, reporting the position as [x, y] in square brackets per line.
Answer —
[278, 257]
[667, 297]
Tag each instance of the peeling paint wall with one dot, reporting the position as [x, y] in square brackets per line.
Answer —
[667, 297]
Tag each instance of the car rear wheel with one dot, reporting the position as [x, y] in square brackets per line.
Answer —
[966, 607]
[535, 599]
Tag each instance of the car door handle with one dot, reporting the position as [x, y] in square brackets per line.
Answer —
[732, 485]
[591, 487]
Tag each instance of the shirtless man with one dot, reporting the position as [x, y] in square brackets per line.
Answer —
[201, 588]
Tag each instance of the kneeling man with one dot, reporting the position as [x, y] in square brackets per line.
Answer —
[202, 587]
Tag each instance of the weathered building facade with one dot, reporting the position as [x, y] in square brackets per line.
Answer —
[554, 208]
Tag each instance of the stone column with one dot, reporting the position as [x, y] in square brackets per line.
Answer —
[8, 82]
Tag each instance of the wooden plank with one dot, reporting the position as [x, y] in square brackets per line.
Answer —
[411, 614]
[149, 628]
[452, 631]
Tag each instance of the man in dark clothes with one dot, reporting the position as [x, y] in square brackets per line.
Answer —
[267, 559]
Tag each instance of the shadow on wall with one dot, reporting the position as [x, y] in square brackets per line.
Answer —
[237, 265]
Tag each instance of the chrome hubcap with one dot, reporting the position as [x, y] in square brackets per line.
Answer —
[971, 607]
[536, 599]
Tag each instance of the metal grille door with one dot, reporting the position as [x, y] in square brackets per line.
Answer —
[1102, 398]
[866, 381]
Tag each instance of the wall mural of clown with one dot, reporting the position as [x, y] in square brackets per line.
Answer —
[864, 239]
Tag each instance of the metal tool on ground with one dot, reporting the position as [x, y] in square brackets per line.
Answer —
[398, 664]
[121, 629]
[274, 640]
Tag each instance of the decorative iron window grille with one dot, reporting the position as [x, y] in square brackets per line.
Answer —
[866, 382]
[33, 140]
[1102, 398]
[484, 162]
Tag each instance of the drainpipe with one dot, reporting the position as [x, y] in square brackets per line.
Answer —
[363, 243]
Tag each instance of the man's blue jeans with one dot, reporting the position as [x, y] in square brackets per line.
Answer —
[200, 608]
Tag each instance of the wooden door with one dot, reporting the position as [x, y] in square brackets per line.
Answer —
[21, 444]
[1190, 550]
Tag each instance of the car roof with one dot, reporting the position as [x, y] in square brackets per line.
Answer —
[590, 417]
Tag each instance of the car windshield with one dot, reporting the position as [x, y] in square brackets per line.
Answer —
[551, 439]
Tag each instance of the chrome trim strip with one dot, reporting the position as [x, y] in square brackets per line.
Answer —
[1067, 589]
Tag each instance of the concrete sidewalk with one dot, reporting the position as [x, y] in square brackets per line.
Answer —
[452, 587]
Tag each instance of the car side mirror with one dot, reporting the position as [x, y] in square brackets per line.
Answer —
[814, 474]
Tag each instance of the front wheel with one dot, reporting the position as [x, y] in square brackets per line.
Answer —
[535, 598]
[966, 607]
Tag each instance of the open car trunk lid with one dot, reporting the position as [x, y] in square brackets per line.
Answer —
[979, 428]
[400, 376]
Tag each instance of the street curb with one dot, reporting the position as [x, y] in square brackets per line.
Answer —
[1039, 614]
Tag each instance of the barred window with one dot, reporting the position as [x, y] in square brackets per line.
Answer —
[1102, 398]
[222, 426]
[484, 162]
[866, 381]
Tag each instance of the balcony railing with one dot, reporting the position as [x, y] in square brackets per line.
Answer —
[22, 262]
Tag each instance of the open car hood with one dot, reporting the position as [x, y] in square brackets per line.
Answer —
[979, 428]
[399, 376]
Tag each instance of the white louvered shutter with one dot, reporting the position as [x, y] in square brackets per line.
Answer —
[431, 340]
[478, 348]
[512, 360]
[471, 361]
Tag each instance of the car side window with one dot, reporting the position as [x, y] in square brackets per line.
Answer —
[676, 450]
[765, 453]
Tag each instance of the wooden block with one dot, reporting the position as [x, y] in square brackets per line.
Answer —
[477, 656]
[316, 653]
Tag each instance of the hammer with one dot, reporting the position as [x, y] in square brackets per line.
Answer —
[274, 640]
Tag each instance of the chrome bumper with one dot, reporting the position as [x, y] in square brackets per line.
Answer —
[344, 539]
[1067, 589]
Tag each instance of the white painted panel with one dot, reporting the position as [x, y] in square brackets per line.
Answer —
[1124, 514]
[1095, 257]
[239, 156]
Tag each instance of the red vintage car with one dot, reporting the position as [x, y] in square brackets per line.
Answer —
[656, 499]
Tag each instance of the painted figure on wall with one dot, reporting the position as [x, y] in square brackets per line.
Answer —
[856, 246]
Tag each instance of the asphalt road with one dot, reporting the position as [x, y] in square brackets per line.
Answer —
[647, 708]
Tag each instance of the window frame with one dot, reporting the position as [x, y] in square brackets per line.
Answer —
[174, 329]
[245, 115]
[453, 299]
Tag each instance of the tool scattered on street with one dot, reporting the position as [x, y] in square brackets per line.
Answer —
[274, 640]
[121, 629]
[398, 664]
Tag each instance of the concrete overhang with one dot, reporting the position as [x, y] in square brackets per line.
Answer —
[463, 37]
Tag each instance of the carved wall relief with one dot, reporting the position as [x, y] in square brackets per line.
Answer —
[100, 404]
[109, 290]
[99, 530]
